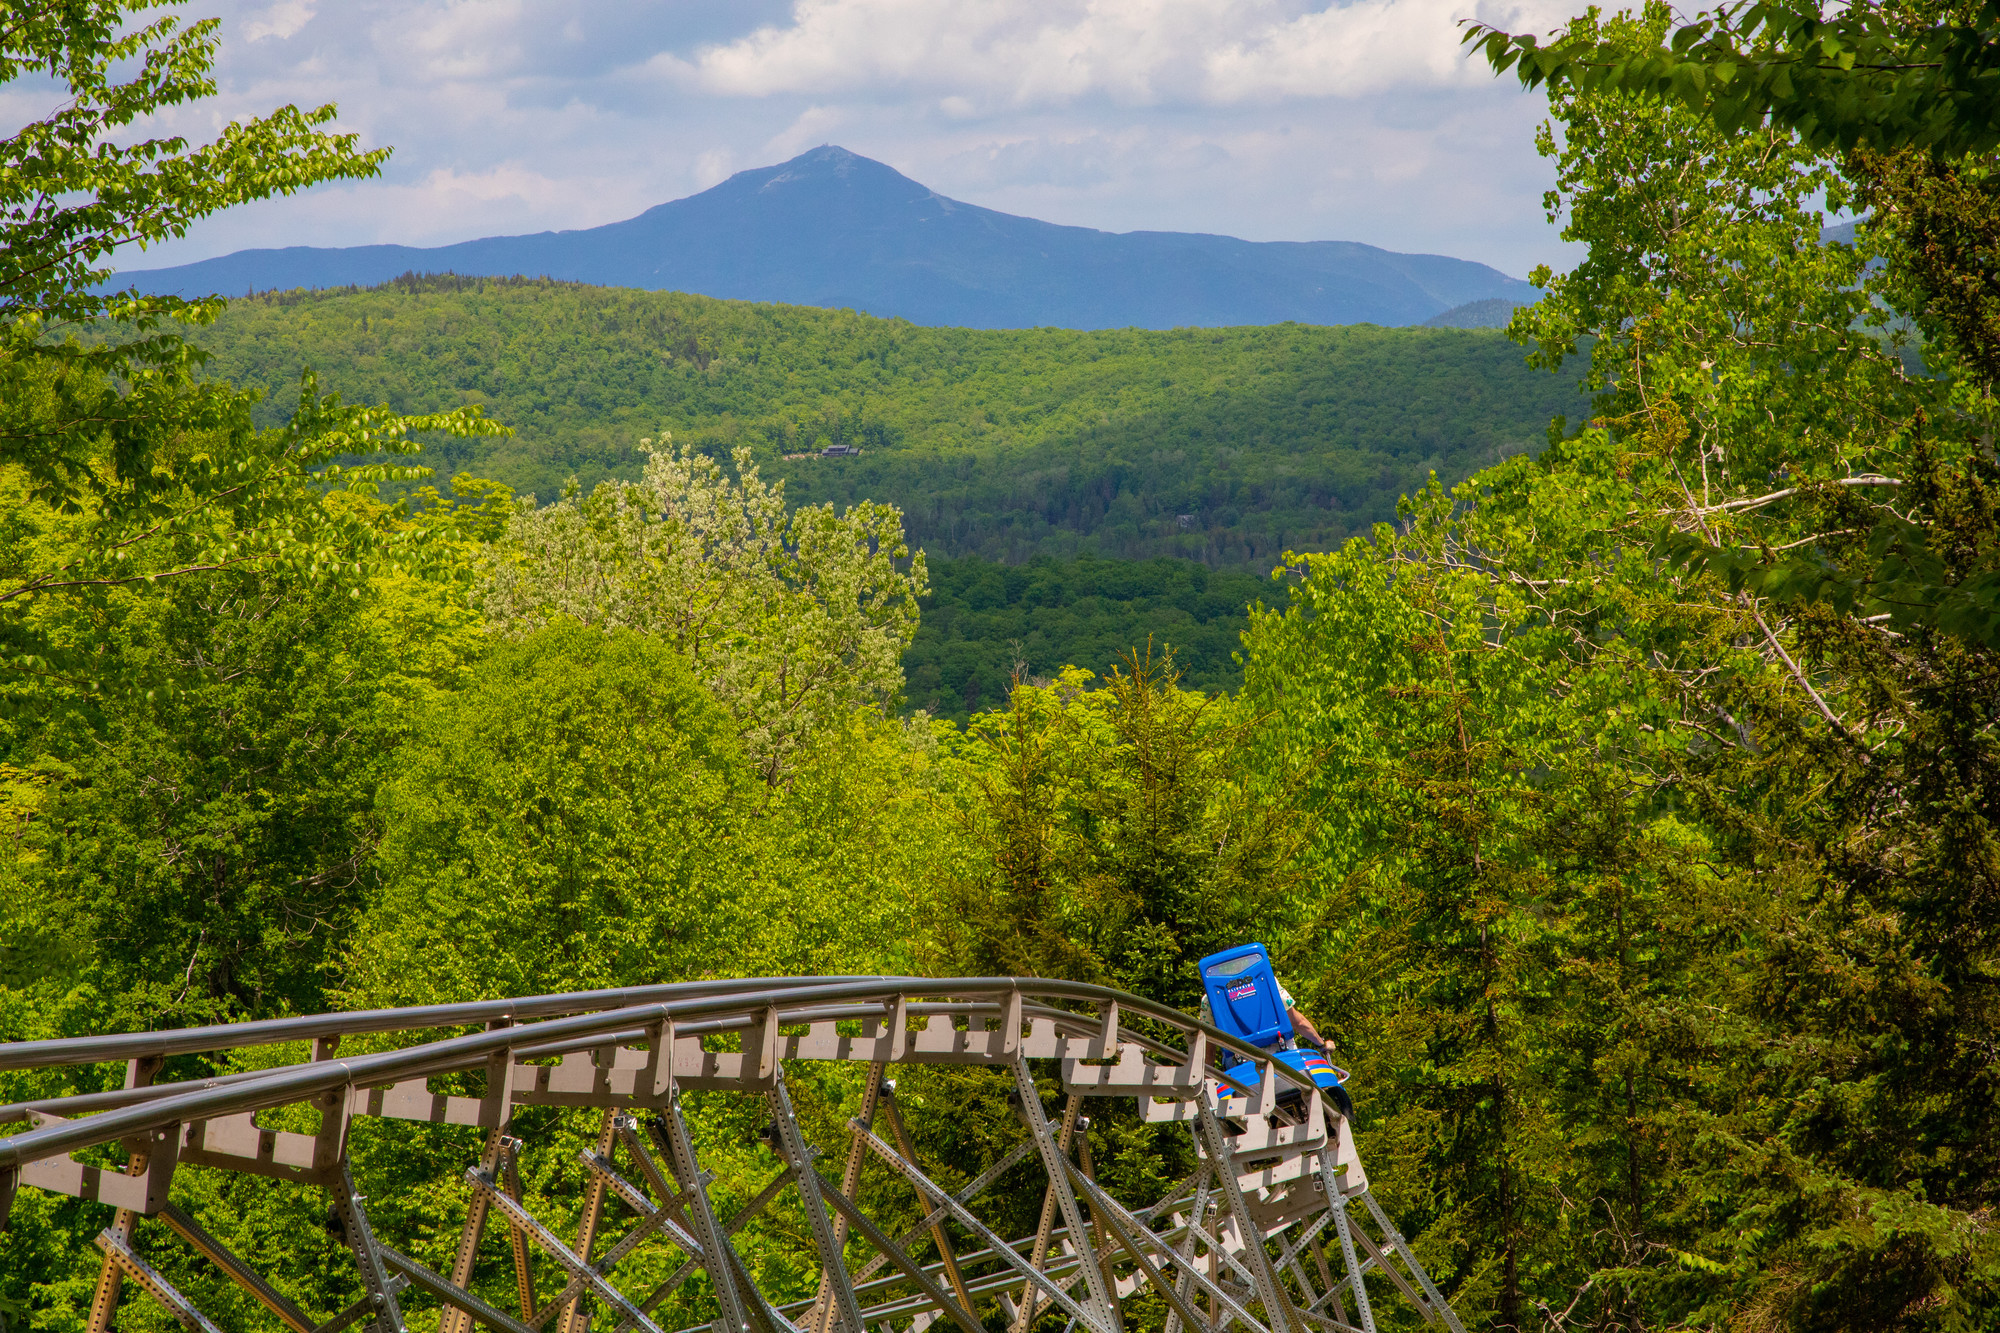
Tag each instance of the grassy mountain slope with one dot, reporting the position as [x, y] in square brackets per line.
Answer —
[1227, 445]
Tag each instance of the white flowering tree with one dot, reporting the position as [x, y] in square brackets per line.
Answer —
[792, 622]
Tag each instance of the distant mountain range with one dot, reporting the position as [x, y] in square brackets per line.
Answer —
[1492, 313]
[831, 228]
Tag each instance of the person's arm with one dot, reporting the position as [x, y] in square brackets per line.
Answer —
[1302, 1026]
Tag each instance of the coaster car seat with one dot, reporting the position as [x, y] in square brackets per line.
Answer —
[1246, 1002]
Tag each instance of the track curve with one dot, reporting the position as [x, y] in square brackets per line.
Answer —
[1275, 1167]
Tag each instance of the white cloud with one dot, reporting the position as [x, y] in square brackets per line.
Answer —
[1352, 50]
[281, 20]
[1012, 54]
[713, 167]
[1268, 119]
[815, 125]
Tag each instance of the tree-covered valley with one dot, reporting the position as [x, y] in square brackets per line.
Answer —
[1626, 811]
[1230, 446]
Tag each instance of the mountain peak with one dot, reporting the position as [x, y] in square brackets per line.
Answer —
[827, 168]
[830, 227]
[826, 162]
[831, 156]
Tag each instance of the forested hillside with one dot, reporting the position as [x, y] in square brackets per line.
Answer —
[1227, 445]
[984, 623]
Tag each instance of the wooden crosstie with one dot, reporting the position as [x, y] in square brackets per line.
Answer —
[1244, 1241]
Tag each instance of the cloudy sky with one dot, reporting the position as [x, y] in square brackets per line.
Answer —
[1267, 119]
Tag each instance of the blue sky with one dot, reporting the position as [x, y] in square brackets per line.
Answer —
[1267, 119]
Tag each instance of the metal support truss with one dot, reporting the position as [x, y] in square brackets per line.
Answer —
[1031, 1301]
[1354, 1276]
[240, 1273]
[578, 1268]
[1240, 1244]
[1197, 1215]
[575, 1318]
[713, 1243]
[118, 1254]
[1432, 1297]
[938, 1236]
[850, 1177]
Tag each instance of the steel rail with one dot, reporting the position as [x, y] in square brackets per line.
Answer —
[269, 1032]
[591, 1018]
[273, 1031]
[85, 1103]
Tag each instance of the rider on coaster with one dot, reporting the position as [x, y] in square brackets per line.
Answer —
[1301, 1025]
[1246, 1000]
[1304, 1030]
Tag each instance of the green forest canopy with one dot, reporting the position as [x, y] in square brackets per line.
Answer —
[982, 620]
[1226, 445]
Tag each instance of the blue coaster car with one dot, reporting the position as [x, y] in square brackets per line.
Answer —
[1246, 1002]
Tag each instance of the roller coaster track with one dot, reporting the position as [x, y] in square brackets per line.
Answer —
[1243, 1241]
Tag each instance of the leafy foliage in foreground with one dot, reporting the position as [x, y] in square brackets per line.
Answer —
[1666, 892]
[73, 192]
[1226, 445]
[127, 467]
[1875, 75]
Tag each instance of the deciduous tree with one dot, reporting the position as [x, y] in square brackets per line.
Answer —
[792, 621]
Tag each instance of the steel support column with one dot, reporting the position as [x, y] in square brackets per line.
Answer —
[120, 1255]
[959, 1313]
[376, 1285]
[799, 1156]
[1278, 1312]
[575, 1318]
[238, 1272]
[708, 1233]
[938, 1236]
[1402, 1247]
[1337, 1203]
[1030, 1308]
[1185, 1282]
[1097, 1220]
[104, 1297]
[1053, 1159]
[1130, 1245]
[1326, 1276]
[453, 1296]
[517, 1239]
[1137, 1232]
[455, 1320]
[817, 1320]
[562, 1254]
[686, 1270]
[1015, 1156]
[1091, 1319]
